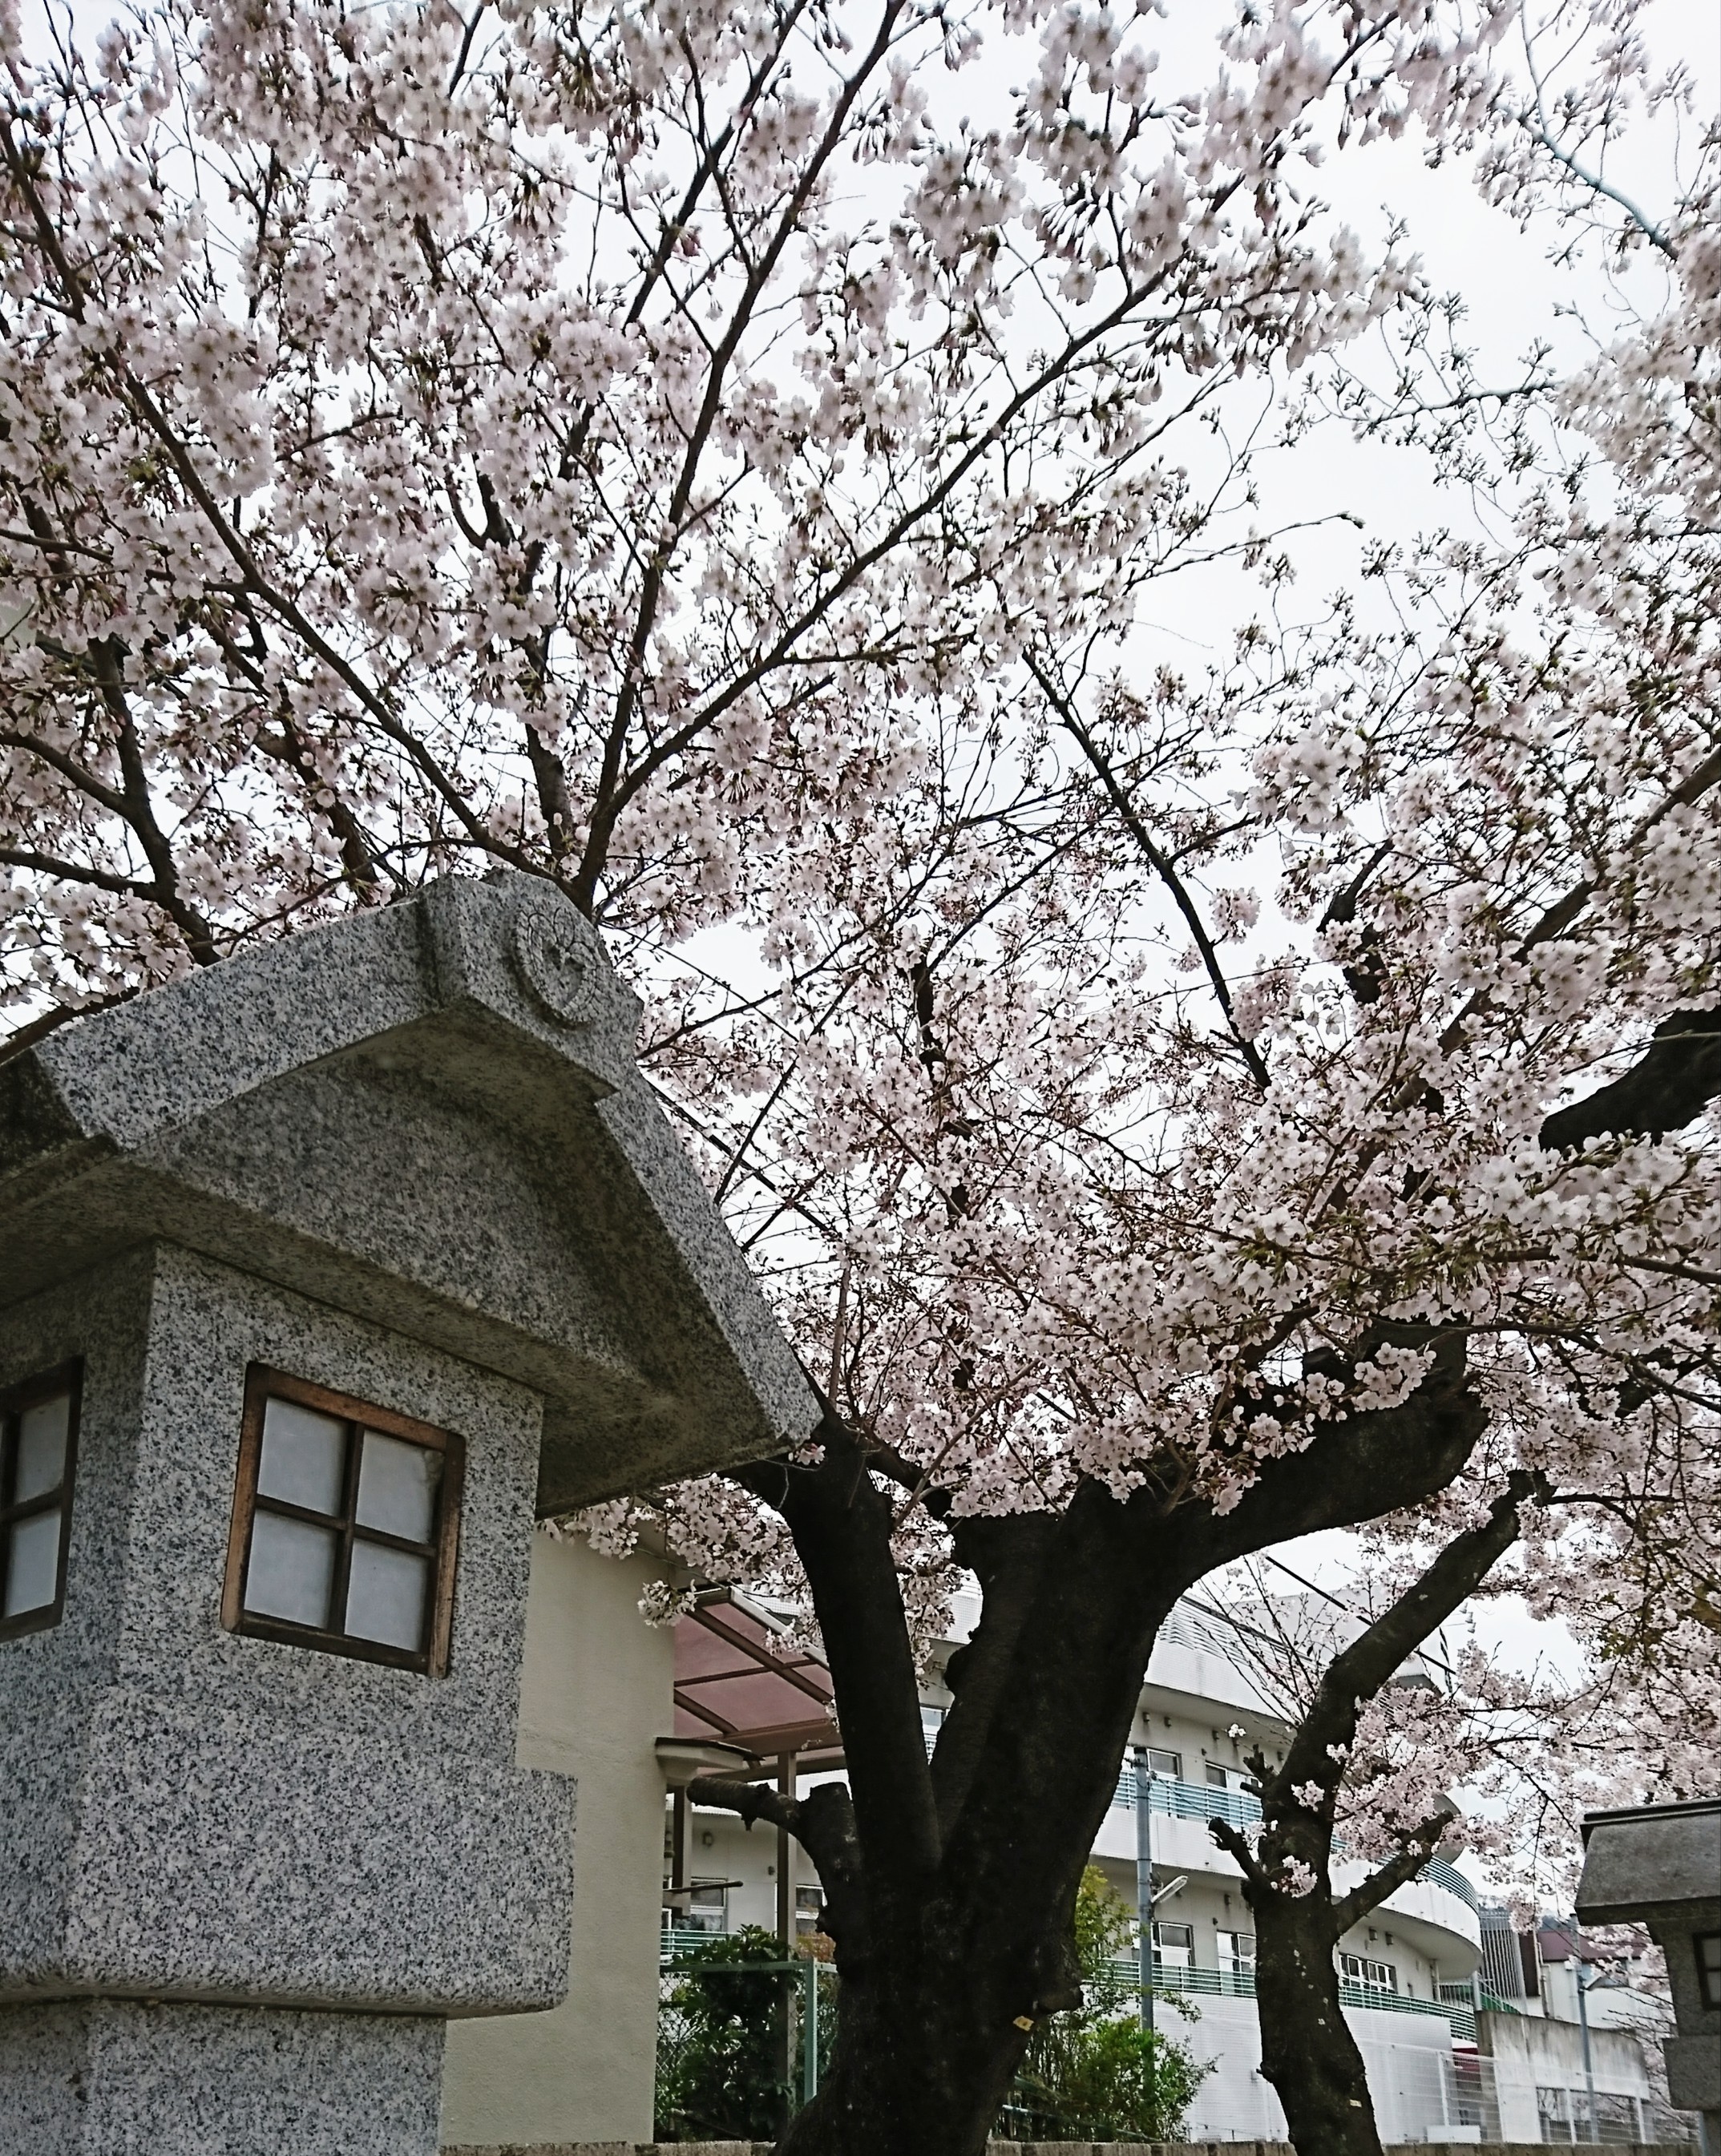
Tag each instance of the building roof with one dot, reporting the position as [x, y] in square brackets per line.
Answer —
[427, 1114]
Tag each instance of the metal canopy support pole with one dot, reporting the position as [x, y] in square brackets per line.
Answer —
[679, 1809]
[785, 1936]
[1144, 1882]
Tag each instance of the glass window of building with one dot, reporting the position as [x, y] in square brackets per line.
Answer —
[1236, 1953]
[39, 1443]
[1164, 1766]
[708, 1906]
[345, 1524]
[1554, 2113]
[1709, 1967]
[1174, 1944]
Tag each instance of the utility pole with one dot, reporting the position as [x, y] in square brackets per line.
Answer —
[1144, 1882]
[678, 1851]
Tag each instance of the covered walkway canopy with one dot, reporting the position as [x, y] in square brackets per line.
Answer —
[741, 1679]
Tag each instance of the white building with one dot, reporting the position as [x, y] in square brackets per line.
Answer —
[1572, 2039]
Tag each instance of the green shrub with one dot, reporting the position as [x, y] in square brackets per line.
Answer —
[1095, 2073]
[716, 2042]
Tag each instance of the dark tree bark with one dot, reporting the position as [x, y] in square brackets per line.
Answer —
[1669, 1085]
[1308, 2051]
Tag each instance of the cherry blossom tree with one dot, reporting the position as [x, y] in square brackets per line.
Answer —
[1395, 1753]
[1440, 1090]
[1377, 1744]
[711, 460]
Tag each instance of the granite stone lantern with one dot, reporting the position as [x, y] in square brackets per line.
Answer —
[322, 1274]
[1661, 1865]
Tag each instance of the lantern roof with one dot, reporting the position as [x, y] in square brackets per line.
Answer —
[429, 1115]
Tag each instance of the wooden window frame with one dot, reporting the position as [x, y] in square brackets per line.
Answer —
[63, 1378]
[264, 1384]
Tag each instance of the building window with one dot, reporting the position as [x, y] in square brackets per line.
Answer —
[808, 1908]
[345, 1523]
[1554, 2111]
[707, 1906]
[1374, 1975]
[1164, 1766]
[1174, 1945]
[1709, 1967]
[1236, 1953]
[39, 1445]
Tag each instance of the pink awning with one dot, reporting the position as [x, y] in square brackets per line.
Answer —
[741, 1678]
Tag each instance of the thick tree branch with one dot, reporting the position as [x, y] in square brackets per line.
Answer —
[1007, 1555]
[86, 780]
[841, 1522]
[106, 662]
[822, 1822]
[752, 1801]
[1236, 1843]
[1358, 1674]
[47, 865]
[1675, 1080]
[1352, 1907]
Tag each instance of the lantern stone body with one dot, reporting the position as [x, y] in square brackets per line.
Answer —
[1660, 1866]
[407, 1159]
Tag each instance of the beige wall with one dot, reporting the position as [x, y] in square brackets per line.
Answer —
[594, 1695]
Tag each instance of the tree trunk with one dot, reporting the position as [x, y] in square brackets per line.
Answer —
[919, 2066]
[1307, 2050]
[951, 1888]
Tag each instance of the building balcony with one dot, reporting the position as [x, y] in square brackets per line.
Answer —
[1240, 1984]
[1440, 1896]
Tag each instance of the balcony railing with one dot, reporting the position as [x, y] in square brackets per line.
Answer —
[1237, 1808]
[1442, 1874]
[1240, 1984]
[1210, 1983]
[684, 1938]
[1191, 1801]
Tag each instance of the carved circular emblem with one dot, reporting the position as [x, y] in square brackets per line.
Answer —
[553, 960]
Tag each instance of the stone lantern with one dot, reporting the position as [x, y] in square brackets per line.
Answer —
[1661, 1865]
[323, 1273]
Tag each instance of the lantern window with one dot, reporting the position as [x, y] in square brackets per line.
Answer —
[39, 1445]
[346, 1522]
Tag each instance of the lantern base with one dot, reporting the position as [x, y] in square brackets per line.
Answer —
[127, 2078]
